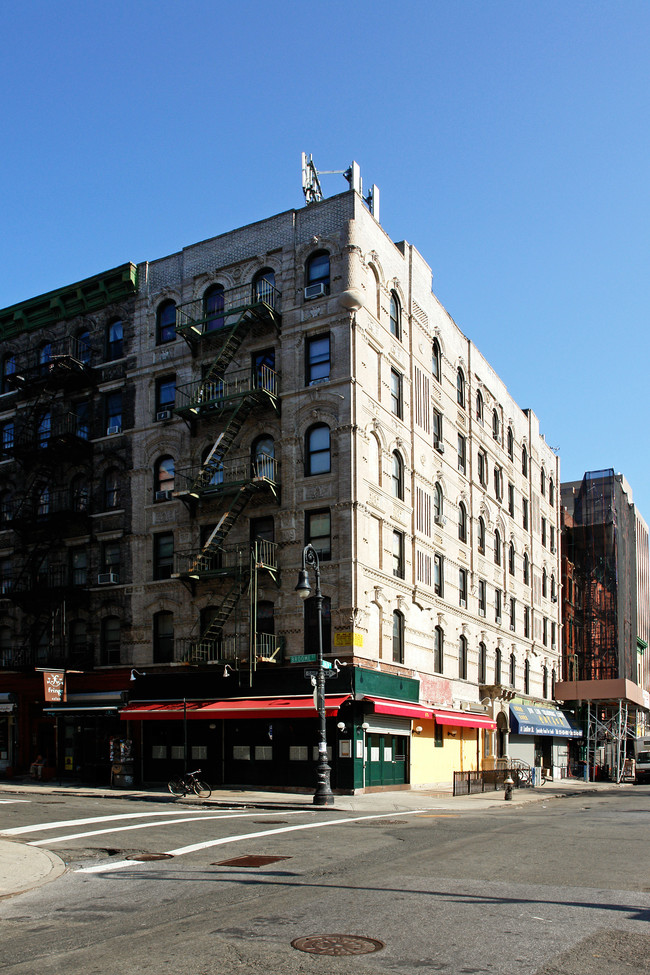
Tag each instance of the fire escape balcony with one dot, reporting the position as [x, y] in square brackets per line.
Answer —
[250, 305]
[229, 478]
[50, 437]
[66, 363]
[233, 650]
[218, 396]
[52, 510]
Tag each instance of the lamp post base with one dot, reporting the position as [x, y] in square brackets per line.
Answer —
[323, 795]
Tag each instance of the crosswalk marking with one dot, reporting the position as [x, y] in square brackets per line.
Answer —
[15, 800]
[21, 830]
[180, 851]
[121, 829]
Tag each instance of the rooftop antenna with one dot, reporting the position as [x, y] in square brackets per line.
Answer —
[311, 184]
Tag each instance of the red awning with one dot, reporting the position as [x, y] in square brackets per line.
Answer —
[464, 719]
[402, 709]
[255, 707]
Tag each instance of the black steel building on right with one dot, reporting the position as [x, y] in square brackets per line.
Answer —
[605, 614]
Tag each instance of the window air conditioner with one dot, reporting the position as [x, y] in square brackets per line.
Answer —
[164, 415]
[315, 290]
[111, 431]
[106, 578]
[439, 445]
[164, 495]
[440, 520]
[553, 599]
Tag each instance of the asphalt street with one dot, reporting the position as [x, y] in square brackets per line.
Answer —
[552, 887]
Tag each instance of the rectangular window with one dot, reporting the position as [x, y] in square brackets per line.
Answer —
[527, 621]
[482, 597]
[439, 575]
[113, 407]
[163, 555]
[79, 559]
[543, 531]
[82, 419]
[462, 453]
[513, 614]
[165, 393]
[438, 649]
[398, 554]
[498, 483]
[462, 587]
[111, 559]
[553, 630]
[482, 468]
[437, 431]
[318, 532]
[511, 500]
[544, 631]
[497, 605]
[396, 393]
[398, 638]
[438, 740]
[524, 511]
[552, 531]
[317, 356]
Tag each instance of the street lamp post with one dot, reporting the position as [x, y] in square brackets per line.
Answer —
[323, 795]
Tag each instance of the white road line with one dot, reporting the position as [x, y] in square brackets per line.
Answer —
[181, 850]
[15, 800]
[20, 830]
[160, 822]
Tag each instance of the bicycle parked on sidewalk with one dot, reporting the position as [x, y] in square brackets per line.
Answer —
[189, 784]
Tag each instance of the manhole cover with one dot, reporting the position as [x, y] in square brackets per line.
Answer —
[337, 944]
[248, 861]
[270, 822]
[385, 822]
[150, 856]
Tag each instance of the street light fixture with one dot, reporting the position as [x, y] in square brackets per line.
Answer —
[323, 795]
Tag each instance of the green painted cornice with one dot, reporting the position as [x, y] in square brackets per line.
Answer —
[80, 298]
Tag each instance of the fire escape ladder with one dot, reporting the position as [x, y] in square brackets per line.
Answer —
[223, 443]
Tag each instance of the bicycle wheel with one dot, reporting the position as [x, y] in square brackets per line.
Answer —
[176, 787]
[202, 789]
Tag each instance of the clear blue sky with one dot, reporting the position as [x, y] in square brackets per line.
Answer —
[509, 139]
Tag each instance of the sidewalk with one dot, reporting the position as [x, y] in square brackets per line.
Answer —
[23, 868]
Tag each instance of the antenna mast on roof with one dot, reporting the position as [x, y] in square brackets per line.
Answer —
[312, 189]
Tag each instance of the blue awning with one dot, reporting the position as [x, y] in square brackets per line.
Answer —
[527, 719]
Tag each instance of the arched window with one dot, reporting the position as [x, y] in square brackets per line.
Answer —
[438, 649]
[544, 584]
[497, 665]
[482, 663]
[395, 316]
[44, 428]
[317, 450]
[497, 547]
[526, 677]
[8, 371]
[163, 637]
[110, 640]
[398, 637]
[526, 569]
[511, 444]
[545, 682]
[437, 504]
[44, 358]
[264, 287]
[524, 461]
[213, 307]
[80, 494]
[511, 559]
[551, 491]
[542, 481]
[112, 488]
[479, 406]
[462, 657]
[317, 275]
[513, 669]
[481, 535]
[553, 591]
[82, 346]
[436, 361]
[495, 424]
[460, 387]
[263, 458]
[6, 507]
[398, 476]
[311, 625]
[163, 478]
[462, 522]
[114, 340]
[166, 322]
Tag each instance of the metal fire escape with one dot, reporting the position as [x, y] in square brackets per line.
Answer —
[46, 439]
[227, 398]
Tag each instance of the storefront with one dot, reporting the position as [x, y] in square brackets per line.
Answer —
[7, 733]
[540, 736]
[86, 724]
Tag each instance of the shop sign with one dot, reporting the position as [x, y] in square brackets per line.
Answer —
[54, 685]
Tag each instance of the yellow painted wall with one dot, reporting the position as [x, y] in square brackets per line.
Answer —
[431, 765]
